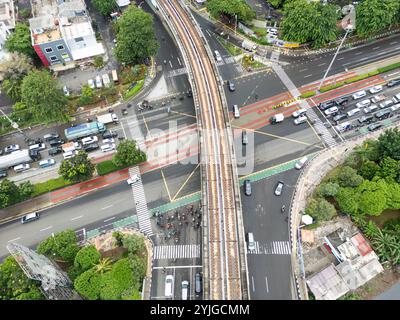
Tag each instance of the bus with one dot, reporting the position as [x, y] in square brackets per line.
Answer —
[84, 130]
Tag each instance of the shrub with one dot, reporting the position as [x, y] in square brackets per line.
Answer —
[87, 258]
[49, 185]
[331, 86]
[307, 94]
[389, 67]
[98, 62]
[320, 209]
[130, 93]
[88, 284]
[108, 166]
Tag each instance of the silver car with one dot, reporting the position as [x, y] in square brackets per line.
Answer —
[279, 188]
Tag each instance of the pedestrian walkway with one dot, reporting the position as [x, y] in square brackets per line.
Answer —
[185, 251]
[320, 128]
[274, 247]
[141, 204]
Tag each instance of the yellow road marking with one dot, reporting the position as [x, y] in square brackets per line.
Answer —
[186, 181]
[166, 186]
[275, 136]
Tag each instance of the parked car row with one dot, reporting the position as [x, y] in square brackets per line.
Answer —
[99, 81]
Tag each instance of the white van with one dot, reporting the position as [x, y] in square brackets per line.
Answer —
[300, 120]
[185, 289]
[236, 112]
[169, 286]
[217, 56]
[299, 113]
[251, 244]
[359, 95]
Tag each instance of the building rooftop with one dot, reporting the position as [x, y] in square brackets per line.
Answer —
[7, 15]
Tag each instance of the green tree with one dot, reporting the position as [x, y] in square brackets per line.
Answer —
[136, 39]
[393, 201]
[276, 3]
[63, 246]
[306, 21]
[87, 95]
[78, 168]
[87, 258]
[348, 177]
[88, 284]
[25, 190]
[42, 94]
[374, 15]
[368, 170]
[132, 294]
[21, 112]
[328, 189]
[128, 154]
[20, 40]
[105, 7]
[134, 243]
[368, 150]
[388, 144]
[109, 288]
[14, 285]
[230, 8]
[103, 266]
[389, 169]
[138, 270]
[373, 197]
[10, 193]
[347, 200]
[387, 247]
[320, 209]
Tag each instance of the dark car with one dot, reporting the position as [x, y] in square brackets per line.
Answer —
[34, 141]
[342, 100]
[55, 150]
[374, 126]
[51, 136]
[56, 142]
[247, 187]
[124, 112]
[3, 173]
[109, 134]
[366, 119]
[340, 116]
[393, 82]
[326, 105]
[91, 147]
[231, 86]
[189, 93]
[198, 283]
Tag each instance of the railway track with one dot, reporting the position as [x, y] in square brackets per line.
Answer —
[223, 258]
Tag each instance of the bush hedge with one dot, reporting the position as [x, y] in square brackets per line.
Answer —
[130, 93]
[307, 94]
[389, 67]
[107, 167]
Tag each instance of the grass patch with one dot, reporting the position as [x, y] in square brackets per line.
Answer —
[307, 94]
[331, 87]
[132, 92]
[312, 226]
[232, 49]
[389, 67]
[107, 167]
[50, 185]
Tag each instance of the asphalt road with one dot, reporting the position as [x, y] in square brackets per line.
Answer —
[269, 267]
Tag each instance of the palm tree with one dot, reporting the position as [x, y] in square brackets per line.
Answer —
[104, 265]
[387, 247]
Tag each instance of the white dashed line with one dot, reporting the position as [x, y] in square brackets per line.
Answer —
[340, 58]
[109, 219]
[302, 70]
[393, 42]
[308, 76]
[47, 228]
[357, 53]
[104, 208]
[322, 64]
[12, 240]
[375, 48]
[76, 218]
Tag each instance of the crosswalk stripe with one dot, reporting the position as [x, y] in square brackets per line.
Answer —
[176, 252]
[273, 247]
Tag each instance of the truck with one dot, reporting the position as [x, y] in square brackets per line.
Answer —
[84, 130]
[250, 46]
[19, 157]
[277, 118]
[107, 118]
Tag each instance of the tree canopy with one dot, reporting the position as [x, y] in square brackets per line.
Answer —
[42, 94]
[10, 193]
[128, 154]
[77, 168]
[320, 209]
[136, 39]
[20, 40]
[388, 144]
[230, 8]
[105, 7]
[87, 258]
[62, 246]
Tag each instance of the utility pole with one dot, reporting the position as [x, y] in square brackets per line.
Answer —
[348, 29]
[13, 124]
[235, 23]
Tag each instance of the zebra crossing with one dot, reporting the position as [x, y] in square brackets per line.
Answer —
[274, 247]
[141, 204]
[176, 252]
[320, 128]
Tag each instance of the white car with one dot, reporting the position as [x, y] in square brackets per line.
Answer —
[371, 108]
[300, 120]
[359, 95]
[89, 140]
[395, 107]
[99, 84]
[107, 147]
[353, 112]
[69, 154]
[272, 31]
[106, 79]
[385, 104]
[133, 179]
[331, 110]
[363, 104]
[299, 164]
[22, 167]
[66, 91]
[376, 89]
[47, 163]
[91, 83]
[108, 141]
[299, 113]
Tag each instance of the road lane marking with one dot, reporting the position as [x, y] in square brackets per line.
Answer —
[375, 48]
[104, 208]
[179, 61]
[47, 228]
[308, 76]
[357, 53]
[170, 63]
[12, 240]
[393, 42]
[322, 64]
[341, 58]
[76, 218]
[177, 267]
[252, 282]
[109, 219]
[266, 283]
[303, 70]
[345, 64]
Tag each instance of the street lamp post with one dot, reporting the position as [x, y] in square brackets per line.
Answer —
[348, 29]
[235, 23]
